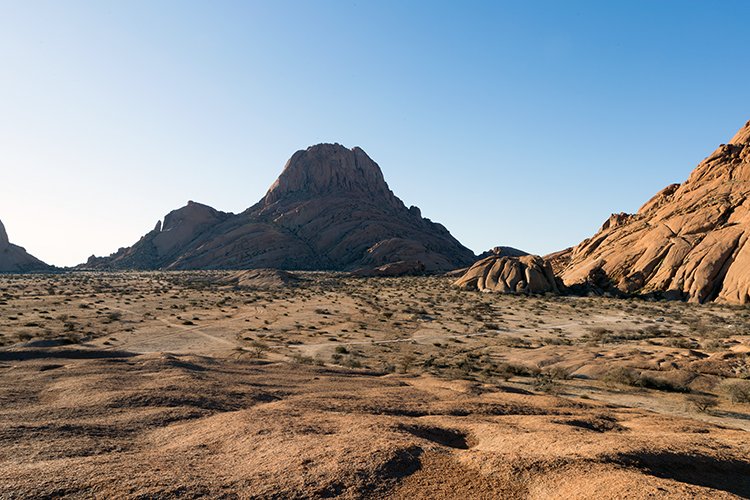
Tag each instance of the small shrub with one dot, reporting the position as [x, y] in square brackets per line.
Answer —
[661, 384]
[702, 403]
[352, 362]
[114, 316]
[558, 372]
[504, 371]
[738, 391]
[303, 360]
[257, 349]
[620, 375]
[546, 383]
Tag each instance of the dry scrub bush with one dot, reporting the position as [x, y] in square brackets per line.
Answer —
[738, 391]
[703, 403]
[628, 376]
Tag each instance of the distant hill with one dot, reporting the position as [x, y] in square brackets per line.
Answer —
[15, 259]
[330, 209]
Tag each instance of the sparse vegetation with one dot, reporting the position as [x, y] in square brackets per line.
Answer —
[412, 326]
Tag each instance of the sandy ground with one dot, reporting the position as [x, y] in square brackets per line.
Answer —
[182, 384]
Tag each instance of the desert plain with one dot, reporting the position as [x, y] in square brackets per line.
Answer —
[269, 384]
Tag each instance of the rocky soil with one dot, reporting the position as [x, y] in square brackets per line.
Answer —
[298, 385]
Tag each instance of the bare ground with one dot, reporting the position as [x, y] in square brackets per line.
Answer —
[145, 385]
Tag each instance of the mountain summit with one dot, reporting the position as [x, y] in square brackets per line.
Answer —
[688, 241]
[330, 169]
[330, 209]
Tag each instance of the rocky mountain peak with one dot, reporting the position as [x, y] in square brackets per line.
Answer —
[326, 169]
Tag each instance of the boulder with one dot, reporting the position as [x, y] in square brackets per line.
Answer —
[529, 274]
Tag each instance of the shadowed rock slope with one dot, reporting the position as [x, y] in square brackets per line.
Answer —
[687, 242]
[15, 259]
[329, 209]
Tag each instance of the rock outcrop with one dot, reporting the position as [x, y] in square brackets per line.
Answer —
[506, 274]
[503, 251]
[261, 279]
[15, 259]
[687, 242]
[330, 209]
[394, 269]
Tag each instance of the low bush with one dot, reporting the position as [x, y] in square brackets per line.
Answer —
[738, 391]
[703, 403]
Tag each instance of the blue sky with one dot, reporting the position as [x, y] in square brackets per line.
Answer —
[512, 123]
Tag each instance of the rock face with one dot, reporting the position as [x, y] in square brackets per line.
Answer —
[15, 259]
[330, 209]
[687, 242]
[506, 274]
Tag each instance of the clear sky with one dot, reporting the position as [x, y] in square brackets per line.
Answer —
[512, 123]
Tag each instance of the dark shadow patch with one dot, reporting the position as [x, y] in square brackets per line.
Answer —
[171, 362]
[25, 355]
[452, 438]
[730, 475]
[731, 414]
[401, 464]
[45, 343]
[44, 368]
[178, 399]
[491, 409]
[399, 412]
[515, 390]
[602, 423]
[404, 463]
